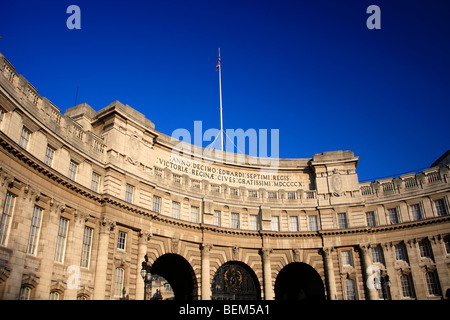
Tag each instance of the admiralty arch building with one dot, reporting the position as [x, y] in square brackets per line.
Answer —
[94, 204]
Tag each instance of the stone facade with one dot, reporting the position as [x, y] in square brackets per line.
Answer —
[85, 195]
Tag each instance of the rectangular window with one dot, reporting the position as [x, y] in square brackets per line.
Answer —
[121, 240]
[275, 223]
[441, 209]
[293, 223]
[393, 216]
[235, 223]
[313, 226]
[35, 229]
[400, 252]
[176, 210]
[157, 204]
[272, 195]
[24, 138]
[118, 281]
[129, 193]
[61, 239]
[346, 258]
[405, 281]
[350, 289]
[195, 214]
[342, 220]
[370, 217]
[73, 170]
[86, 247]
[432, 283]
[253, 222]
[292, 195]
[49, 154]
[376, 255]
[95, 182]
[416, 213]
[217, 218]
[252, 193]
[425, 249]
[5, 220]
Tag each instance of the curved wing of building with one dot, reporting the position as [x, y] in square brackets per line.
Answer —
[94, 200]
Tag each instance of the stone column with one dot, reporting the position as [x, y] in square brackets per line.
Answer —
[144, 238]
[206, 281]
[368, 271]
[106, 226]
[267, 271]
[332, 294]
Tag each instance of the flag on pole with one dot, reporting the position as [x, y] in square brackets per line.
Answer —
[218, 63]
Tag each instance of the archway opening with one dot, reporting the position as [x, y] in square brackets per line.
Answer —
[299, 281]
[235, 280]
[179, 273]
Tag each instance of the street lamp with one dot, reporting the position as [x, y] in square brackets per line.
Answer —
[146, 276]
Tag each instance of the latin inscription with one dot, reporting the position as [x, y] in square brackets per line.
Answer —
[204, 171]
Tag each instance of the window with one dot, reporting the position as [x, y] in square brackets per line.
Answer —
[176, 178]
[342, 220]
[121, 240]
[217, 218]
[54, 295]
[275, 223]
[24, 138]
[176, 210]
[400, 252]
[129, 193]
[73, 170]
[272, 195]
[235, 220]
[61, 239]
[293, 223]
[376, 255]
[25, 293]
[2, 113]
[95, 182]
[405, 282]
[234, 191]
[195, 214]
[292, 195]
[441, 209]
[370, 217]
[5, 220]
[350, 292]
[447, 244]
[346, 258]
[35, 229]
[118, 282]
[393, 216]
[416, 213]
[49, 154]
[252, 193]
[86, 247]
[432, 283]
[253, 222]
[157, 204]
[425, 249]
[313, 223]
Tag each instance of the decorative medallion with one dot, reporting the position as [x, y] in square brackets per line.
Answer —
[232, 279]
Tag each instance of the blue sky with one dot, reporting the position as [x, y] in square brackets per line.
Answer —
[311, 69]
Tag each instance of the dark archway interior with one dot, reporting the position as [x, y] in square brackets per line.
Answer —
[299, 281]
[178, 272]
[235, 281]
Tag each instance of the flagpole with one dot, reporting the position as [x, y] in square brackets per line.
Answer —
[220, 94]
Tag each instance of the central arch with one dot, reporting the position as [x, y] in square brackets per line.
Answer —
[235, 280]
[299, 281]
[179, 273]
